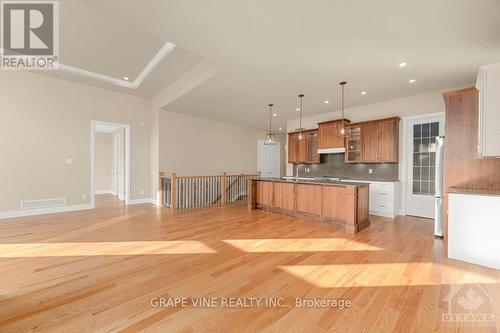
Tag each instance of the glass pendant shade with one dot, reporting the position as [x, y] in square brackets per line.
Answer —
[343, 129]
[270, 138]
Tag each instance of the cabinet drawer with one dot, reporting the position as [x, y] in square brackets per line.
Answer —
[383, 186]
[382, 195]
[380, 207]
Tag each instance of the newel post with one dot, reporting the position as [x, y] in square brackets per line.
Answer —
[173, 184]
[161, 189]
[223, 187]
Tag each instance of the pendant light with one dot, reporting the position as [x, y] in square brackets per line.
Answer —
[270, 138]
[300, 129]
[343, 129]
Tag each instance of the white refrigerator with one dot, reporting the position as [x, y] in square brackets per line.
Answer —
[439, 196]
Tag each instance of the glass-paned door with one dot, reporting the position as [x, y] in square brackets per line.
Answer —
[421, 162]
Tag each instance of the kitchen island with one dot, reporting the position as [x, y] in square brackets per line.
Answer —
[341, 204]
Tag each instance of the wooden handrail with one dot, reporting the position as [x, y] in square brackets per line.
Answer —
[162, 175]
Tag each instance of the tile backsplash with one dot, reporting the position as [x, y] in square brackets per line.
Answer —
[333, 166]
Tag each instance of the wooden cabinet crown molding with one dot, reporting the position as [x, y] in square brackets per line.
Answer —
[334, 121]
[374, 121]
[459, 92]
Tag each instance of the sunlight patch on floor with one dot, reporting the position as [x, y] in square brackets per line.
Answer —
[103, 248]
[376, 275]
[300, 245]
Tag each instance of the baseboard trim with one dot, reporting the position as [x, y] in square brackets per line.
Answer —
[104, 192]
[142, 201]
[41, 211]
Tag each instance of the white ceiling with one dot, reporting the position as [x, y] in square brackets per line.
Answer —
[269, 51]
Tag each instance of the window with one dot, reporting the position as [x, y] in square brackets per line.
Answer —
[424, 158]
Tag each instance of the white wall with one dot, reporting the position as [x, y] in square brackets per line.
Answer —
[427, 103]
[191, 145]
[104, 161]
[44, 120]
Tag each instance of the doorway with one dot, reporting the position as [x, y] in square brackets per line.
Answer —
[110, 160]
[268, 159]
[421, 172]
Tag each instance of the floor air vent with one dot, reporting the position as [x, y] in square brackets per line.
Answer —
[45, 203]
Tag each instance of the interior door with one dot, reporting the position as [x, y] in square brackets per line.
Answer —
[268, 159]
[421, 164]
[370, 142]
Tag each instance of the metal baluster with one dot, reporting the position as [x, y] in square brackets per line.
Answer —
[210, 189]
[190, 198]
[185, 189]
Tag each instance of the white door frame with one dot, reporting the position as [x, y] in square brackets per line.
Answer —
[116, 168]
[93, 123]
[406, 148]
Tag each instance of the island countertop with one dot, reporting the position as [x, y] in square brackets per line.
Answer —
[314, 181]
[339, 203]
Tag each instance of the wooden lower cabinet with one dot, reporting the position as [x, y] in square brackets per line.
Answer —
[343, 206]
[264, 195]
[309, 199]
[334, 199]
[284, 195]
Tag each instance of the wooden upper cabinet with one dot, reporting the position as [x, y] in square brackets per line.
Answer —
[388, 141]
[303, 150]
[380, 141]
[370, 142]
[293, 148]
[312, 147]
[329, 135]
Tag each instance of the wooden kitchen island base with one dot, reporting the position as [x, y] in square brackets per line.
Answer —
[342, 204]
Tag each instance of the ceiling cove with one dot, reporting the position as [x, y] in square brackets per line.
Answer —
[162, 53]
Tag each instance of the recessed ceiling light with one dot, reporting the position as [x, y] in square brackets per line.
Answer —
[412, 81]
[275, 114]
[363, 93]
[326, 102]
[125, 78]
[403, 64]
[298, 109]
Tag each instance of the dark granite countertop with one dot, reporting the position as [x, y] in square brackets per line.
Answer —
[314, 181]
[473, 191]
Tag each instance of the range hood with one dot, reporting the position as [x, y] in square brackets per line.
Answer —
[331, 151]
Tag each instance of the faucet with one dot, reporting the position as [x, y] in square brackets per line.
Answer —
[297, 171]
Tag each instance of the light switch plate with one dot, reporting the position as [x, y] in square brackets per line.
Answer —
[68, 161]
[370, 171]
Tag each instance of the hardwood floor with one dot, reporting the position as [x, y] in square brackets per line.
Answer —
[97, 271]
